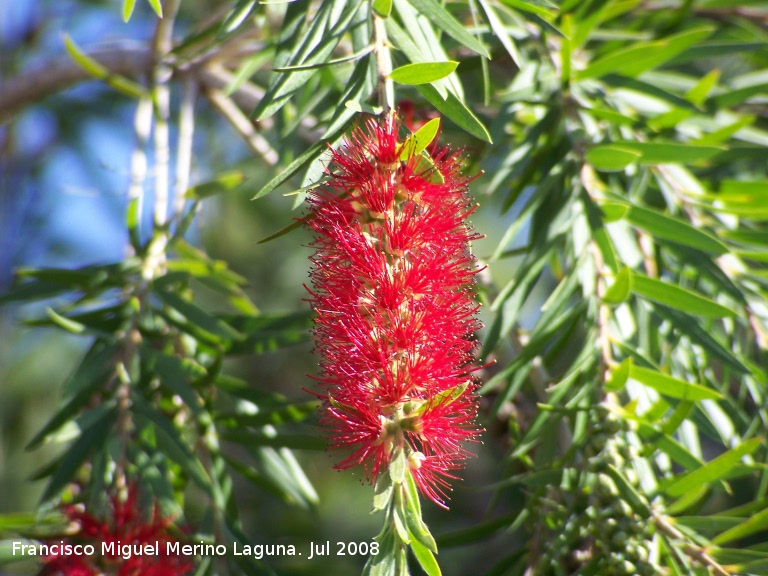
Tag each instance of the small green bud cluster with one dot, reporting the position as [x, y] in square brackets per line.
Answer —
[591, 529]
[620, 539]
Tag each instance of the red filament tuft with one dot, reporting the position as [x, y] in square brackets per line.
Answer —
[392, 291]
[125, 544]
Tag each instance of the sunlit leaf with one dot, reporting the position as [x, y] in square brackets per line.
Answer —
[128, 6]
[714, 469]
[456, 111]
[443, 19]
[609, 158]
[676, 297]
[98, 71]
[670, 386]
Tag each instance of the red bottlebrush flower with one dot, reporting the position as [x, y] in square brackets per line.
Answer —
[395, 314]
[126, 544]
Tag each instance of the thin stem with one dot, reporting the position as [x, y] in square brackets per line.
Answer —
[154, 263]
[184, 146]
[383, 63]
[142, 127]
[161, 94]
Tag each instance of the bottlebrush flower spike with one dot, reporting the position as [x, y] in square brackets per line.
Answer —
[392, 291]
[125, 527]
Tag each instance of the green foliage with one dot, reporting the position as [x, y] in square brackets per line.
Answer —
[621, 150]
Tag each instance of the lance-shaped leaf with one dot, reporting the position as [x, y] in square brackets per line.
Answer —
[417, 142]
[224, 182]
[100, 72]
[674, 229]
[443, 19]
[634, 60]
[423, 72]
[611, 158]
[619, 291]
[754, 524]
[676, 297]
[713, 470]
[456, 110]
[670, 386]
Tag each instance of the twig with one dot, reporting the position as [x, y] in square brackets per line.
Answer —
[240, 122]
[383, 63]
[161, 75]
[142, 125]
[184, 146]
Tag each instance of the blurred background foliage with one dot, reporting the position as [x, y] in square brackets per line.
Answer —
[622, 153]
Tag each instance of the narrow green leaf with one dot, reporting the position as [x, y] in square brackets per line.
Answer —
[157, 7]
[236, 17]
[443, 19]
[689, 327]
[295, 225]
[670, 386]
[610, 158]
[176, 373]
[382, 492]
[399, 521]
[128, 6]
[669, 152]
[619, 376]
[501, 32]
[64, 322]
[397, 467]
[197, 316]
[709, 50]
[312, 153]
[360, 87]
[261, 481]
[638, 58]
[316, 46]
[423, 72]
[628, 493]
[382, 8]
[417, 142]
[657, 440]
[418, 531]
[618, 292]
[735, 97]
[754, 524]
[119, 83]
[713, 470]
[224, 182]
[676, 297]
[31, 291]
[546, 10]
[352, 57]
[675, 230]
[383, 563]
[698, 94]
[725, 133]
[90, 439]
[456, 111]
[265, 333]
[613, 211]
[92, 373]
[426, 558]
[169, 441]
